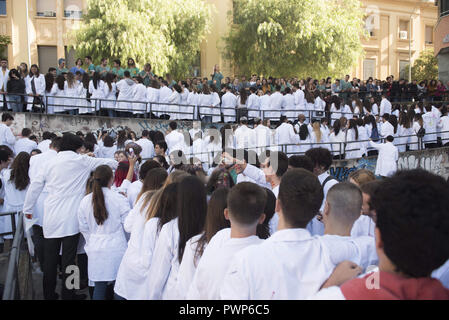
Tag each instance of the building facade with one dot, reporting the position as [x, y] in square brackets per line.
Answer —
[399, 30]
[442, 40]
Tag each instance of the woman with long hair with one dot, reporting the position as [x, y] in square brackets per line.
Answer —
[215, 221]
[337, 139]
[35, 88]
[96, 90]
[84, 102]
[110, 95]
[15, 182]
[16, 85]
[122, 137]
[58, 93]
[101, 216]
[133, 70]
[417, 125]
[335, 109]
[48, 98]
[131, 277]
[404, 130]
[170, 246]
[352, 144]
[108, 149]
[72, 89]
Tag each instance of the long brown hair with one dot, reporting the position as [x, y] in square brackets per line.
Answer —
[19, 171]
[215, 220]
[153, 181]
[102, 177]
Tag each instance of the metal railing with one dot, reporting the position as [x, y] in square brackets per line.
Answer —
[164, 110]
[12, 283]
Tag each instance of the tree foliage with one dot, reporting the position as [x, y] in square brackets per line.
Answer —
[295, 37]
[425, 67]
[4, 42]
[168, 34]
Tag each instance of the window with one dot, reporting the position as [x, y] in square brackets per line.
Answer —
[369, 68]
[48, 57]
[403, 69]
[73, 9]
[46, 8]
[404, 29]
[429, 35]
[3, 7]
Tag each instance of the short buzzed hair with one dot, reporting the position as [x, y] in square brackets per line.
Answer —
[246, 202]
[345, 202]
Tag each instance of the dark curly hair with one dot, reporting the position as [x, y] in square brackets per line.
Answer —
[412, 209]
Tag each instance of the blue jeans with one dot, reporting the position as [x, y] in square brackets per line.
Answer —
[73, 112]
[100, 290]
[15, 103]
[111, 113]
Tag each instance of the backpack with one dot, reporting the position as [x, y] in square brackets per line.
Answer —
[375, 134]
[421, 132]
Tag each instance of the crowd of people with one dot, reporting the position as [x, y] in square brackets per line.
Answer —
[131, 92]
[141, 219]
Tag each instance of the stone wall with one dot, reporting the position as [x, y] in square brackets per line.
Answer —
[434, 160]
[38, 123]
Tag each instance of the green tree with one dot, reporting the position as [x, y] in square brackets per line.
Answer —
[168, 36]
[425, 67]
[4, 42]
[295, 37]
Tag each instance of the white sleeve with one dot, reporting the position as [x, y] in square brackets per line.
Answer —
[10, 139]
[161, 263]
[331, 293]
[148, 243]
[375, 145]
[93, 163]
[131, 218]
[256, 174]
[186, 270]
[33, 192]
[82, 219]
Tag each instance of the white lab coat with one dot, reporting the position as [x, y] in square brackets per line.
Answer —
[253, 104]
[215, 108]
[39, 83]
[73, 92]
[414, 141]
[353, 144]
[106, 243]
[140, 96]
[37, 164]
[297, 265]
[95, 94]
[65, 178]
[444, 125]
[386, 129]
[107, 152]
[134, 191]
[24, 145]
[288, 103]
[165, 263]
[264, 105]
[337, 142]
[4, 80]
[13, 201]
[57, 102]
[263, 137]
[7, 138]
[175, 141]
[228, 101]
[164, 96]
[173, 108]
[276, 100]
[299, 101]
[245, 138]
[387, 159]
[44, 145]
[153, 97]
[430, 122]
[109, 94]
[385, 107]
[147, 148]
[363, 226]
[192, 101]
[188, 267]
[213, 266]
[285, 134]
[126, 93]
[131, 277]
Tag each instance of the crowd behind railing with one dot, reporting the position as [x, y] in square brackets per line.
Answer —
[130, 92]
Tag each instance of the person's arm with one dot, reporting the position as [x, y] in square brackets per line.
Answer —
[92, 163]
[343, 272]
[374, 145]
[82, 220]
[33, 193]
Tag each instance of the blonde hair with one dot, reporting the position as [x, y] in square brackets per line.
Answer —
[361, 176]
[317, 129]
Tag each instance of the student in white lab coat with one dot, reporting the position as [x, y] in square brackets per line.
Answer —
[108, 149]
[387, 159]
[298, 264]
[44, 145]
[405, 267]
[170, 246]
[365, 225]
[337, 139]
[253, 104]
[57, 92]
[135, 189]
[430, 121]
[48, 98]
[126, 93]
[302, 129]
[153, 97]
[109, 92]
[101, 216]
[385, 106]
[193, 101]
[175, 100]
[140, 96]
[72, 89]
[276, 100]
[317, 135]
[65, 178]
[16, 182]
[82, 103]
[228, 105]
[245, 137]
[263, 134]
[35, 88]
[319, 105]
[264, 103]
[285, 135]
[246, 203]
[215, 105]
[96, 90]
[164, 96]
[174, 139]
[37, 164]
[288, 103]
[341, 212]
[195, 247]
[24, 144]
[353, 146]
[299, 98]
[132, 274]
